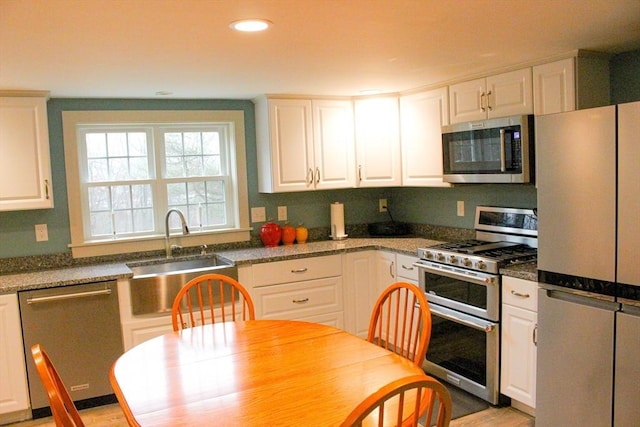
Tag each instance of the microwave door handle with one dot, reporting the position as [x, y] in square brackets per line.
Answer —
[503, 166]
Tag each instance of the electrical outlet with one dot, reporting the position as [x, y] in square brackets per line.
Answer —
[460, 207]
[258, 214]
[282, 213]
[42, 234]
[382, 205]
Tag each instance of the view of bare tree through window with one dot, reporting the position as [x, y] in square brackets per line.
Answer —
[129, 187]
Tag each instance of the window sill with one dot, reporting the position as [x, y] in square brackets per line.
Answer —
[120, 246]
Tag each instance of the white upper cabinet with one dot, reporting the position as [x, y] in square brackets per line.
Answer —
[422, 116]
[304, 144]
[573, 83]
[25, 165]
[377, 129]
[502, 95]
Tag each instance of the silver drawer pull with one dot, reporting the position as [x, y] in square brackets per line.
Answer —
[300, 301]
[36, 300]
[299, 270]
[518, 294]
[407, 268]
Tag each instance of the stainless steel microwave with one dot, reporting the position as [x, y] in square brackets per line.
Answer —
[489, 151]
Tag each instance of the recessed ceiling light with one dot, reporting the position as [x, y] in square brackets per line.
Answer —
[250, 25]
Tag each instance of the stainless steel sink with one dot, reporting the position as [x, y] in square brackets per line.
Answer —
[153, 287]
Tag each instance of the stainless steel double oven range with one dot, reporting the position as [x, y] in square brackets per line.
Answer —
[462, 283]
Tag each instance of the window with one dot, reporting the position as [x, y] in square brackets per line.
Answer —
[130, 172]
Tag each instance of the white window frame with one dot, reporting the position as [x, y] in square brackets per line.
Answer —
[166, 118]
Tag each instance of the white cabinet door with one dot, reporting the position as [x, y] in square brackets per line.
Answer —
[377, 130]
[510, 94]
[385, 270]
[14, 395]
[334, 146]
[304, 144]
[554, 89]
[502, 95]
[361, 290]
[25, 165]
[519, 352]
[422, 116]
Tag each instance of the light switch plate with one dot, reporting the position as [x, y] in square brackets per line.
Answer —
[258, 214]
[42, 234]
[460, 207]
[282, 213]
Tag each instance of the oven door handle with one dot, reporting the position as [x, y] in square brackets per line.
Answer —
[463, 319]
[480, 279]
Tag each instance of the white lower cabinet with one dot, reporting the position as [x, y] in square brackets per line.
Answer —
[385, 270]
[14, 394]
[405, 271]
[301, 289]
[360, 290]
[519, 323]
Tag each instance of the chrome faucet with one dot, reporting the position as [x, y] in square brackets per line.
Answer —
[185, 229]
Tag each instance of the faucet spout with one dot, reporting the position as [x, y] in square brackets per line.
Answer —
[185, 229]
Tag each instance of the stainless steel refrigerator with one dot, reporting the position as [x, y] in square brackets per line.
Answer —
[588, 172]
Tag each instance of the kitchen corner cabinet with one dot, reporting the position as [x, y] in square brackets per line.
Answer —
[422, 116]
[304, 144]
[377, 133]
[571, 84]
[361, 291]
[14, 394]
[519, 324]
[506, 94]
[25, 165]
[307, 289]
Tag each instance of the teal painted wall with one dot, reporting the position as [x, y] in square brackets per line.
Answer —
[419, 205]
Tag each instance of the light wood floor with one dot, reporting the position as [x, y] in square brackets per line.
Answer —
[111, 416]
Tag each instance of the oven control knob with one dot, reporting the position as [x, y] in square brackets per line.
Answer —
[481, 265]
[441, 257]
[489, 328]
[466, 262]
[453, 259]
[429, 255]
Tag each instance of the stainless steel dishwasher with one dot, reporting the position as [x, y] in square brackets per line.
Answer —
[79, 326]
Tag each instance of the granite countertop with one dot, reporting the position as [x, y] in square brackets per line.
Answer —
[524, 270]
[48, 278]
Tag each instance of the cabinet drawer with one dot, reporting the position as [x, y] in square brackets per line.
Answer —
[405, 268]
[296, 270]
[299, 300]
[520, 293]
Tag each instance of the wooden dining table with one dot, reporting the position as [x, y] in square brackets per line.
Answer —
[252, 373]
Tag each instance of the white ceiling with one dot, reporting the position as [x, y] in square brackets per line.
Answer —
[135, 48]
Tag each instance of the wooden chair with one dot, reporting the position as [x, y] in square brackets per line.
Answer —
[393, 404]
[203, 296]
[63, 409]
[401, 322]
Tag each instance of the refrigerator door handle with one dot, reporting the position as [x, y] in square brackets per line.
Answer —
[580, 297]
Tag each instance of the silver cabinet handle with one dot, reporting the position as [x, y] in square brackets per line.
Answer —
[317, 175]
[503, 150]
[535, 335]
[310, 176]
[36, 300]
[359, 172]
[299, 270]
[482, 99]
[300, 301]
[489, 107]
[46, 189]
[407, 268]
[518, 294]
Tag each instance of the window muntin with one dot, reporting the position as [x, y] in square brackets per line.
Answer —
[125, 196]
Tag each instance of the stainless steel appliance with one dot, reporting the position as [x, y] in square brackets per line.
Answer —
[489, 151]
[79, 326]
[589, 235]
[462, 284]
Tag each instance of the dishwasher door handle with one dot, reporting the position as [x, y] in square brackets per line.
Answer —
[74, 295]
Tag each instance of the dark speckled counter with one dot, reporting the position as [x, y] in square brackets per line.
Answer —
[49, 278]
[525, 271]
